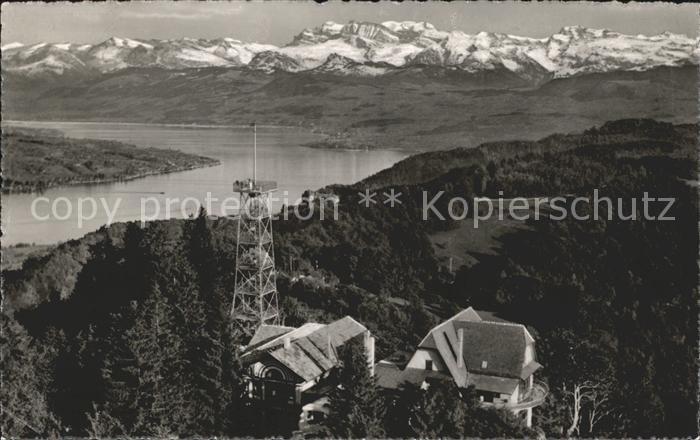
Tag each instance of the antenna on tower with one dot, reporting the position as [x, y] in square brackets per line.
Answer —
[255, 290]
[255, 150]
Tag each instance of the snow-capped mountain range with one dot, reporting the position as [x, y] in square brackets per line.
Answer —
[368, 49]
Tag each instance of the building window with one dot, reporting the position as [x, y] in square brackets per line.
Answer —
[489, 397]
[428, 364]
[273, 373]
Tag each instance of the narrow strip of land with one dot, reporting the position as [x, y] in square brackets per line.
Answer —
[35, 160]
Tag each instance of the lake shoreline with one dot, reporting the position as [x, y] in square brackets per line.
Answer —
[155, 124]
[324, 144]
[282, 156]
[331, 144]
[37, 159]
[90, 182]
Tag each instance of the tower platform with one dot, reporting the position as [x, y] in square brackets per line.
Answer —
[254, 186]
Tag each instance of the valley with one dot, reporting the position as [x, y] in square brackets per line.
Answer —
[391, 85]
[416, 108]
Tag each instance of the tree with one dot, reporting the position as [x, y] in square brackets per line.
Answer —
[439, 411]
[206, 310]
[356, 405]
[121, 378]
[492, 169]
[102, 424]
[588, 401]
[443, 410]
[600, 408]
[25, 412]
[178, 341]
[154, 344]
[233, 387]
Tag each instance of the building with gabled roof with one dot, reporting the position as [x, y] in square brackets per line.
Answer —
[475, 348]
[289, 366]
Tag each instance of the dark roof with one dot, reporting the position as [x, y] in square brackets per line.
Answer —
[391, 376]
[490, 316]
[339, 332]
[388, 375]
[265, 333]
[400, 358]
[429, 342]
[493, 384]
[487, 337]
[309, 354]
[493, 349]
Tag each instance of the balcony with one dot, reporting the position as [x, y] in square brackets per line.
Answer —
[530, 399]
[533, 397]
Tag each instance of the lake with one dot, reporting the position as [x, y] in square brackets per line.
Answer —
[281, 157]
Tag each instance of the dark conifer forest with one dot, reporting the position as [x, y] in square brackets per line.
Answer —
[125, 332]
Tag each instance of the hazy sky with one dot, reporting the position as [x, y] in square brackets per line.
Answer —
[278, 22]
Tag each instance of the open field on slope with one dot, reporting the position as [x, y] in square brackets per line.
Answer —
[13, 257]
[465, 243]
[413, 108]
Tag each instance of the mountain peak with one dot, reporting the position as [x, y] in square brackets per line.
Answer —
[370, 31]
[341, 65]
[13, 45]
[331, 28]
[116, 41]
[270, 61]
[413, 26]
[577, 31]
[128, 43]
[361, 47]
[337, 60]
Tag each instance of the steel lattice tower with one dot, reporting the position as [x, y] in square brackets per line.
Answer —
[255, 291]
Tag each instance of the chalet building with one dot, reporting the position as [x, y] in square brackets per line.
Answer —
[287, 366]
[475, 348]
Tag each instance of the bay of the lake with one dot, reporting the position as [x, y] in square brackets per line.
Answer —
[282, 157]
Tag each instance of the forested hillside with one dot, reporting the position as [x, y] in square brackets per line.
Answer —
[35, 160]
[126, 328]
